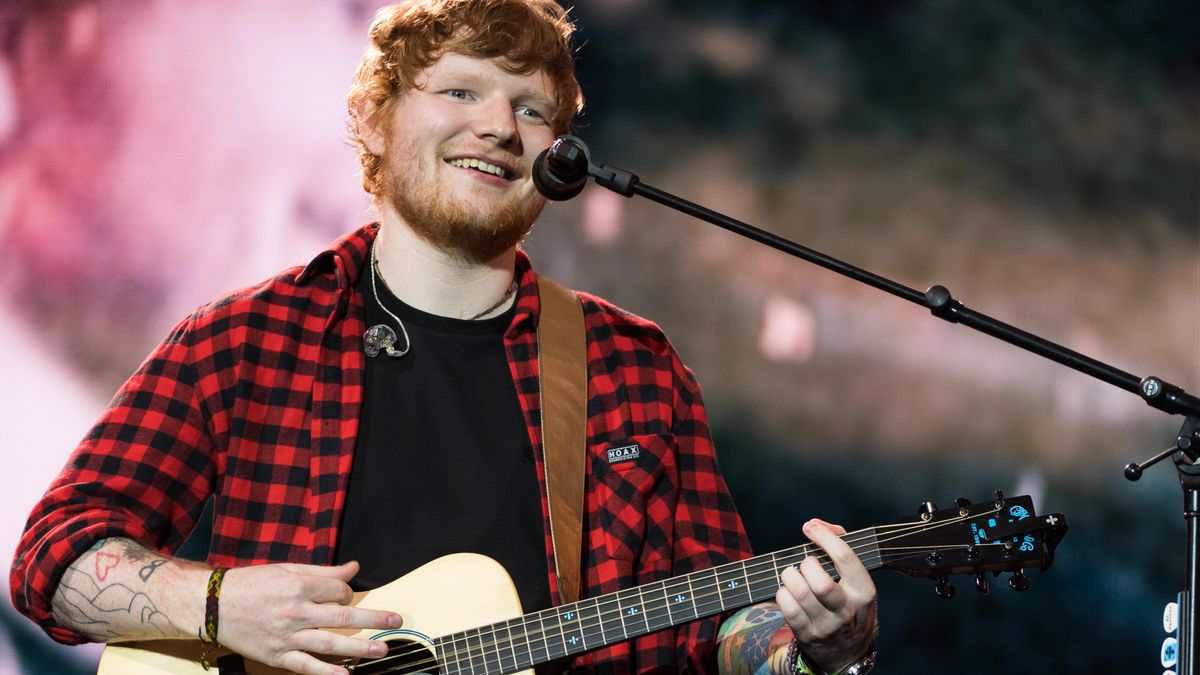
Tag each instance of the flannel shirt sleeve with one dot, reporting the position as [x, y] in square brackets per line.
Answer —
[143, 472]
[708, 530]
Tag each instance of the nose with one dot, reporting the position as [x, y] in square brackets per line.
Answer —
[497, 122]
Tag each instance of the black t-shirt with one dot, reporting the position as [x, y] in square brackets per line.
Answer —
[443, 462]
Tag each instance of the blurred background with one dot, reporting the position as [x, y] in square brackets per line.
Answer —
[1041, 160]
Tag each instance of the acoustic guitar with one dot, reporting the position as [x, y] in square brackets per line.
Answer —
[462, 614]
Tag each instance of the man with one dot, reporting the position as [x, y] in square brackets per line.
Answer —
[329, 466]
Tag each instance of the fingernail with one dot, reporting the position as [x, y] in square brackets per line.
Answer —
[378, 649]
[394, 621]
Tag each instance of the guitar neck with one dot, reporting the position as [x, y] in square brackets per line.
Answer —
[567, 630]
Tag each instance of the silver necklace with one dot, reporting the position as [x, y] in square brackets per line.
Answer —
[381, 337]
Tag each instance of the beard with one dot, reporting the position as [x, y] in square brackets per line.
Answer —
[457, 225]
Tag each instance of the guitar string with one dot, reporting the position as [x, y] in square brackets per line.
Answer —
[494, 647]
[487, 649]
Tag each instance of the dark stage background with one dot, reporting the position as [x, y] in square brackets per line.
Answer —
[1039, 159]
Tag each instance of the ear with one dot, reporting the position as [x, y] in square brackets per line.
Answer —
[370, 125]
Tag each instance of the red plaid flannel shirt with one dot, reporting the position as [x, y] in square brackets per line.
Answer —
[254, 399]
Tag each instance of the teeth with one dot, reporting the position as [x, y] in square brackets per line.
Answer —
[473, 163]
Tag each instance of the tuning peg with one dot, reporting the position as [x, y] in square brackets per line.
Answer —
[934, 558]
[964, 506]
[1018, 581]
[1009, 548]
[999, 499]
[972, 552]
[981, 584]
[926, 510]
[943, 588]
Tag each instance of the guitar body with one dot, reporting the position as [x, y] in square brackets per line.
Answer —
[444, 596]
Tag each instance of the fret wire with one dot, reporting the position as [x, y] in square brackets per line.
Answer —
[458, 654]
[440, 655]
[583, 629]
[570, 618]
[522, 644]
[605, 621]
[558, 648]
[489, 648]
[562, 632]
[510, 641]
[492, 650]
[545, 642]
[640, 609]
[471, 655]
[692, 596]
[658, 594]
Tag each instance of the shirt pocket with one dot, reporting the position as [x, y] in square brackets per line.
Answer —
[633, 488]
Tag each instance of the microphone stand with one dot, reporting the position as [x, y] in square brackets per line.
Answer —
[565, 166]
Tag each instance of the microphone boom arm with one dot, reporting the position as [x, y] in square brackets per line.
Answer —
[1153, 390]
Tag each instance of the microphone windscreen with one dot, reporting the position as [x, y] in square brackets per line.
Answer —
[561, 171]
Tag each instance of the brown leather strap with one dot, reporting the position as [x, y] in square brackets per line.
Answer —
[562, 366]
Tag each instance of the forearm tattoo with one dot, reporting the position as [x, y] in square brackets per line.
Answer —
[90, 598]
[754, 642]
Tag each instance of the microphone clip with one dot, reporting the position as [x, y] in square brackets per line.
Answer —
[561, 171]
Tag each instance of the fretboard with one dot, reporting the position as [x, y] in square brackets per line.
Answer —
[526, 641]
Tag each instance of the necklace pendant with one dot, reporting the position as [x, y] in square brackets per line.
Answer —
[379, 337]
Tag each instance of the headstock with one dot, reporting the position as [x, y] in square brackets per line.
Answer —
[1001, 535]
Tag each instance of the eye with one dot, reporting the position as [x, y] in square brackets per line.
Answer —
[460, 94]
[531, 113]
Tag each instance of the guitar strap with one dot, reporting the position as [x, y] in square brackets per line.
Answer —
[562, 367]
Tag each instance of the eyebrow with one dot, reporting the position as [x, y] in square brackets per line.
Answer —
[535, 99]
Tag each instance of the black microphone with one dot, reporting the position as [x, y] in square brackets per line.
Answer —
[561, 170]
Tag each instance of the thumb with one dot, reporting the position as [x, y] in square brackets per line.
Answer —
[345, 571]
[835, 528]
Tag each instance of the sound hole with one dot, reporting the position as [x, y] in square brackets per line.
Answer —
[404, 656]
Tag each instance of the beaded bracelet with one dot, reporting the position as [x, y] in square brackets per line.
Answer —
[208, 633]
[795, 664]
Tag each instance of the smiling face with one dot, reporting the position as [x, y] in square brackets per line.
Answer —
[457, 154]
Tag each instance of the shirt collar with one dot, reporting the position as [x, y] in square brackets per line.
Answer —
[346, 258]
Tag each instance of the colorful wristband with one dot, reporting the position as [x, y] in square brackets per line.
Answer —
[208, 633]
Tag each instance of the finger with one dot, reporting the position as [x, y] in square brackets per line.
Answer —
[307, 664]
[789, 605]
[822, 593]
[332, 644]
[844, 559]
[341, 616]
[326, 589]
[818, 598]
